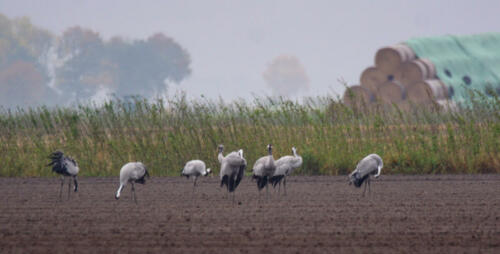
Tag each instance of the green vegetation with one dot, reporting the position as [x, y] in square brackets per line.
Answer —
[331, 137]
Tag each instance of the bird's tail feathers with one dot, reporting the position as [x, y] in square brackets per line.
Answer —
[359, 180]
[232, 184]
[261, 181]
[274, 180]
[142, 180]
[224, 181]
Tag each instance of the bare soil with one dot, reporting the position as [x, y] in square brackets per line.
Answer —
[429, 214]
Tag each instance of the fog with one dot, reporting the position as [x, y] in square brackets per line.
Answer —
[231, 44]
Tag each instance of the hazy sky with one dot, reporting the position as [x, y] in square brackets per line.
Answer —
[232, 42]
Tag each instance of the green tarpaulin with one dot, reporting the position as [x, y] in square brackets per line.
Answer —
[463, 62]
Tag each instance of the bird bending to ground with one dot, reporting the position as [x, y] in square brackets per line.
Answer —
[370, 165]
[263, 169]
[65, 166]
[232, 169]
[132, 172]
[284, 167]
[195, 168]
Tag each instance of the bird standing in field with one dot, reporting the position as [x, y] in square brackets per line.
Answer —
[370, 165]
[195, 168]
[232, 169]
[65, 166]
[263, 170]
[284, 167]
[132, 172]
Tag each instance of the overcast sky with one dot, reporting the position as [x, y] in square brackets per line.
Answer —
[232, 42]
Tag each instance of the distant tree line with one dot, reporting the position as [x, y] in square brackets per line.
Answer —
[38, 67]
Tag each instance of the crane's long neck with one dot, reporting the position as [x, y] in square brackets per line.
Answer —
[379, 168]
[297, 161]
[117, 196]
[220, 157]
[270, 161]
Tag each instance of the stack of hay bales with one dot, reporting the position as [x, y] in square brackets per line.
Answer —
[398, 77]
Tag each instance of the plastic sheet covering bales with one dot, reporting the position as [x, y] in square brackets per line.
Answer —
[462, 62]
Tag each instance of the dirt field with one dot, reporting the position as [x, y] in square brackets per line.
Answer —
[440, 214]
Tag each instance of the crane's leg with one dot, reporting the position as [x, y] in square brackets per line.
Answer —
[60, 189]
[69, 187]
[369, 187]
[279, 187]
[364, 190]
[133, 193]
[75, 180]
[267, 191]
[284, 184]
[194, 184]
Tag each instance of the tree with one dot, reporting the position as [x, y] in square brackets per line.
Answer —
[286, 76]
[21, 83]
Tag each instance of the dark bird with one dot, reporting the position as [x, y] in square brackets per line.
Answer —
[370, 165]
[65, 166]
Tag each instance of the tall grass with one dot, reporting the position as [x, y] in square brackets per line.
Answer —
[331, 137]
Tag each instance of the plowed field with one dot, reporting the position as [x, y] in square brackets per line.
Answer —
[430, 214]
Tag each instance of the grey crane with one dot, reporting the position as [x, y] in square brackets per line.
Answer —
[132, 172]
[284, 167]
[232, 169]
[263, 169]
[195, 168]
[65, 166]
[370, 165]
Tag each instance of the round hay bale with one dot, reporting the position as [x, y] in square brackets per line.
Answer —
[447, 105]
[431, 68]
[371, 78]
[388, 59]
[427, 91]
[391, 92]
[357, 95]
[412, 72]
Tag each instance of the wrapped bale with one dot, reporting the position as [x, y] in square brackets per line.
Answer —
[357, 95]
[431, 68]
[447, 105]
[388, 59]
[371, 78]
[427, 91]
[415, 71]
[391, 92]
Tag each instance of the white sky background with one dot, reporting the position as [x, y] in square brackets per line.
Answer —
[232, 42]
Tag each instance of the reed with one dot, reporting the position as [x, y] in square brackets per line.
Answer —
[331, 137]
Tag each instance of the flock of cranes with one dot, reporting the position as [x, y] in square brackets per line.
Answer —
[266, 170]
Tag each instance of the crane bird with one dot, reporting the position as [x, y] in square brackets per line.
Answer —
[65, 166]
[232, 169]
[263, 169]
[370, 165]
[284, 167]
[195, 168]
[132, 172]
